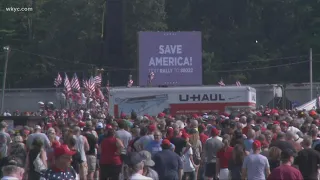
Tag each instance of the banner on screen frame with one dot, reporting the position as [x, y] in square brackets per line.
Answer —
[174, 57]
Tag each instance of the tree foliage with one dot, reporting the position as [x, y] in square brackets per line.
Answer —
[242, 39]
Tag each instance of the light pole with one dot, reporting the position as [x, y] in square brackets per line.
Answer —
[7, 49]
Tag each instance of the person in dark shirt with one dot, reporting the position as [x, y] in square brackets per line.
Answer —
[285, 171]
[203, 137]
[281, 143]
[178, 142]
[274, 157]
[235, 163]
[91, 154]
[76, 158]
[168, 164]
[308, 160]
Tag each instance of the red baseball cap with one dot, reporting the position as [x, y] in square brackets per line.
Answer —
[161, 115]
[152, 127]
[108, 127]
[276, 122]
[63, 150]
[256, 144]
[214, 131]
[49, 125]
[312, 113]
[195, 116]
[185, 135]
[284, 123]
[259, 114]
[166, 142]
[81, 124]
[123, 115]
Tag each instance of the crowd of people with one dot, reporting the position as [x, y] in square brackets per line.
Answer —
[257, 144]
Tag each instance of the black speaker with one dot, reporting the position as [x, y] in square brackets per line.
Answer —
[114, 37]
[114, 31]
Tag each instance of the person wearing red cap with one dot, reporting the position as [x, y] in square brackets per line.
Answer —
[255, 165]
[168, 164]
[62, 168]
[147, 138]
[202, 135]
[189, 165]
[169, 133]
[212, 146]
[178, 141]
[161, 115]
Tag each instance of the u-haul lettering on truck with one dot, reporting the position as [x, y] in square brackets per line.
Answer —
[201, 97]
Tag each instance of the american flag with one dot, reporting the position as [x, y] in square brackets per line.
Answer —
[91, 84]
[97, 80]
[85, 84]
[130, 82]
[67, 84]
[238, 83]
[99, 94]
[57, 80]
[221, 83]
[75, 82]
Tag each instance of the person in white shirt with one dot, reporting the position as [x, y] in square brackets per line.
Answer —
[12, 172]
[135, 162]
[189, 167]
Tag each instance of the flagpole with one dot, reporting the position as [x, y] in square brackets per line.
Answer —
[311, 80]
[7, 49]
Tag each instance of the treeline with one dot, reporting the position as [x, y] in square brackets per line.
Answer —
[254, 41]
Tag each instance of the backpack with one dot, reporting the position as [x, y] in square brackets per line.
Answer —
[38, 164]
[133, 149]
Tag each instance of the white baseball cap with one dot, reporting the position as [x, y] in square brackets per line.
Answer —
[99, 125]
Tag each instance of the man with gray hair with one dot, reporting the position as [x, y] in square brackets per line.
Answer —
[12, 172]
[135, 161]
[40, 135]
[291, 138]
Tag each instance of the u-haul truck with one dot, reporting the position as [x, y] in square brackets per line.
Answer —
[180, 100]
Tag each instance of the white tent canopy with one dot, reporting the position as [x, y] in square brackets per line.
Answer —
[308, 106]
